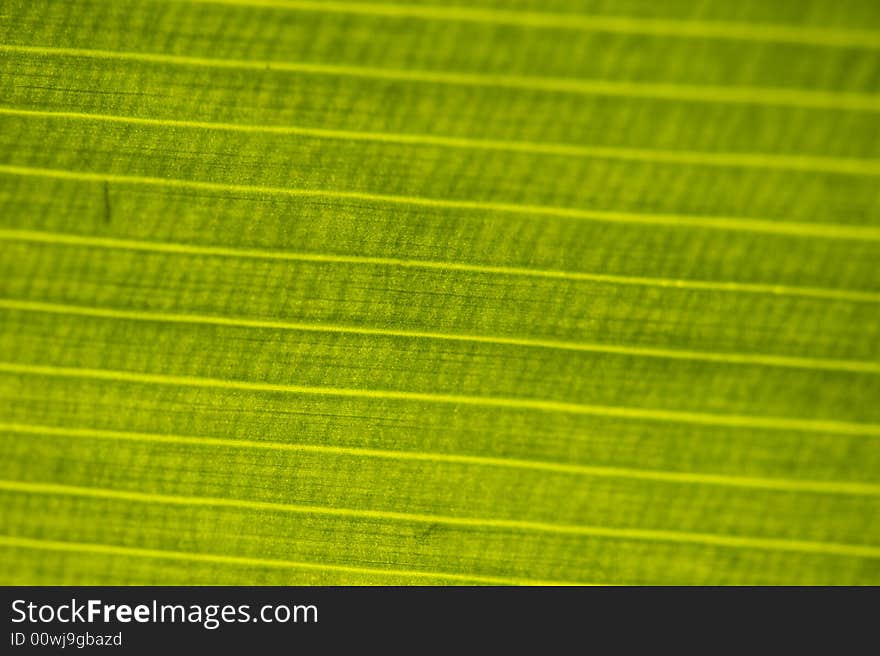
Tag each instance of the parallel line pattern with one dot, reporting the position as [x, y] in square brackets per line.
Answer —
[755, 359]
[685, 221]
[509, 403]
[709, 539]
[201, 250]
[795, 162]
[629, 25]
[735, 95]
[676, 477]
[16, 542]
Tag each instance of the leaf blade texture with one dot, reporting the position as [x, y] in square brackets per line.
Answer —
[370, 293]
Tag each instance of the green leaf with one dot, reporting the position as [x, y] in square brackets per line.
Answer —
[299, 292]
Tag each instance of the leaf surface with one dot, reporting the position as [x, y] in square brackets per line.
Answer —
[514, 292]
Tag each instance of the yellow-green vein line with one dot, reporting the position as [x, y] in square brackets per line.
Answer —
[768, 96]
[798, 163]
[651, 535]
[94, 241]
[697, 29]
[674, 477]
[764, 226]
[250, 561]
[756, 359]
[508, 403]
